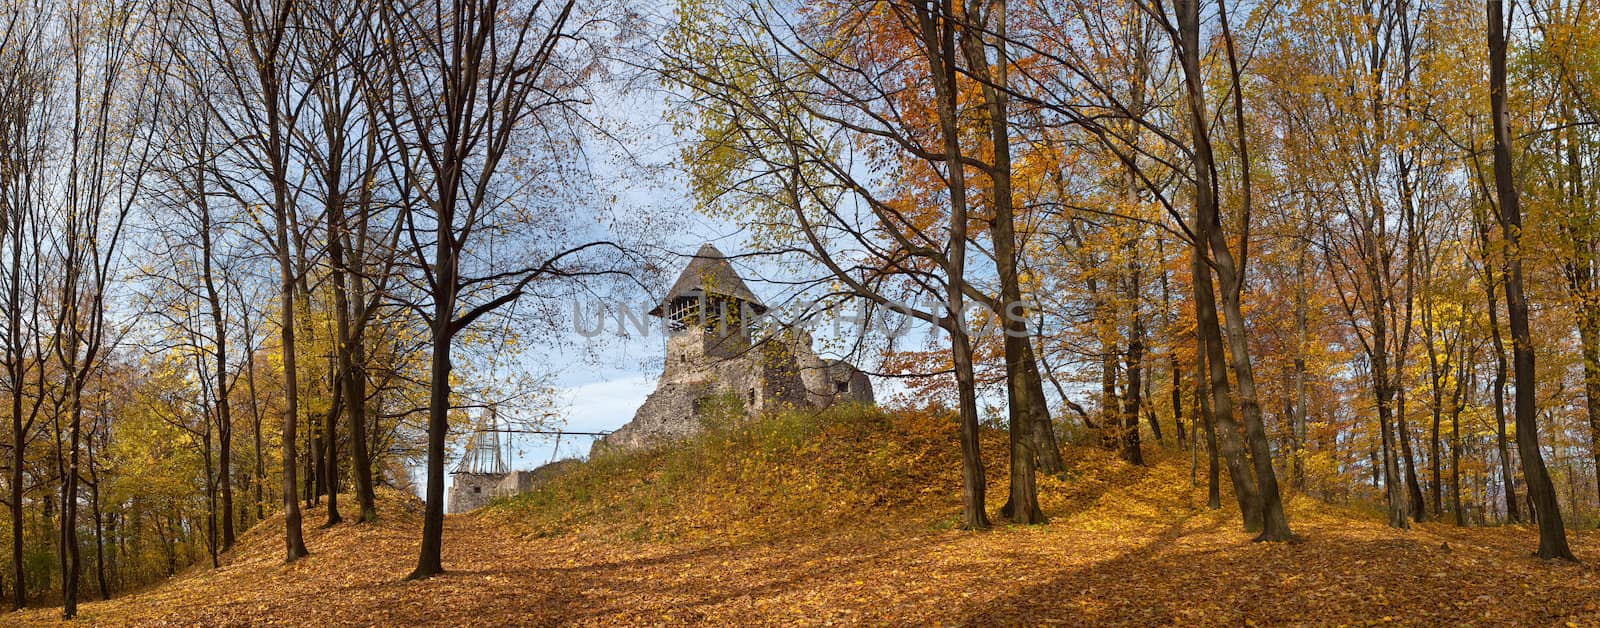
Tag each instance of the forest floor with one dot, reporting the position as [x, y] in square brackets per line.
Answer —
[1144, 553]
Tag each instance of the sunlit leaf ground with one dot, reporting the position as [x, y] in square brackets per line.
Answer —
[1126, 545]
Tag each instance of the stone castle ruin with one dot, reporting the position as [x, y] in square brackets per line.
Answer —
[714, 349]
[484, 472]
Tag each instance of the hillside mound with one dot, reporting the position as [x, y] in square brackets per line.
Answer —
[846, 516]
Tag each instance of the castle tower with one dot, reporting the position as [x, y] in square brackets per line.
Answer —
[709, 310]
[711, 355]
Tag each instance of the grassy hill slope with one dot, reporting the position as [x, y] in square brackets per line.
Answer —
[846, 517]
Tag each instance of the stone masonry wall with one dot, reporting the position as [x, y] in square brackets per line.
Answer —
[470, 491]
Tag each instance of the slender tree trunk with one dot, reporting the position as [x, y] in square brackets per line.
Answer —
[220, 346]
[294, 539]
[1202, 402]
[1552, 533]
[1589, 337]
[1226, 430]
[1436, 372]
[99, 539]
[330, 457]
[1046, 447]
[72, 570]
[15, 374]
[1418, 506]
[1110, 404]
[260, 480]
[1176, 394]
[1507, 476]
[355, 357]
[1580, 270]
[1133, 399]
[1231, 273]
[355, 386]
[1458, 400]
[1026, 410]
[939, 34]
[972, 476]
[1147, 401]
[1297, 418]
[212, 535]
[429, 562]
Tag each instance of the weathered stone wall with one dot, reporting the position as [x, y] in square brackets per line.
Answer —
[470, 491]
[669, 413]
[813, 371]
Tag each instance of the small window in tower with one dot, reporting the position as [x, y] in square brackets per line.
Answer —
[477, 489]
[843, 387]
[752, 396]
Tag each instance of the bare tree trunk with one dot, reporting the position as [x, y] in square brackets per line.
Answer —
[1203, 255]
[1458, 402]
[220, 348]
[260, 479]
[1202, 402]
[1580, 269]
[1418, 506]
[99, 540]
[1297, 418]
[1552, 533]
[1133, 398]
[353, 329]
[1027, 411]
[1490, 287]
[1221, 399]
[1230, 272]
[938, 32]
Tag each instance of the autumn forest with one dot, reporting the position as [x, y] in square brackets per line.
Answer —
[1298, 285]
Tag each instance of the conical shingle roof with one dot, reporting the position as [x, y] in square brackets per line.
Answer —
[709, 273]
